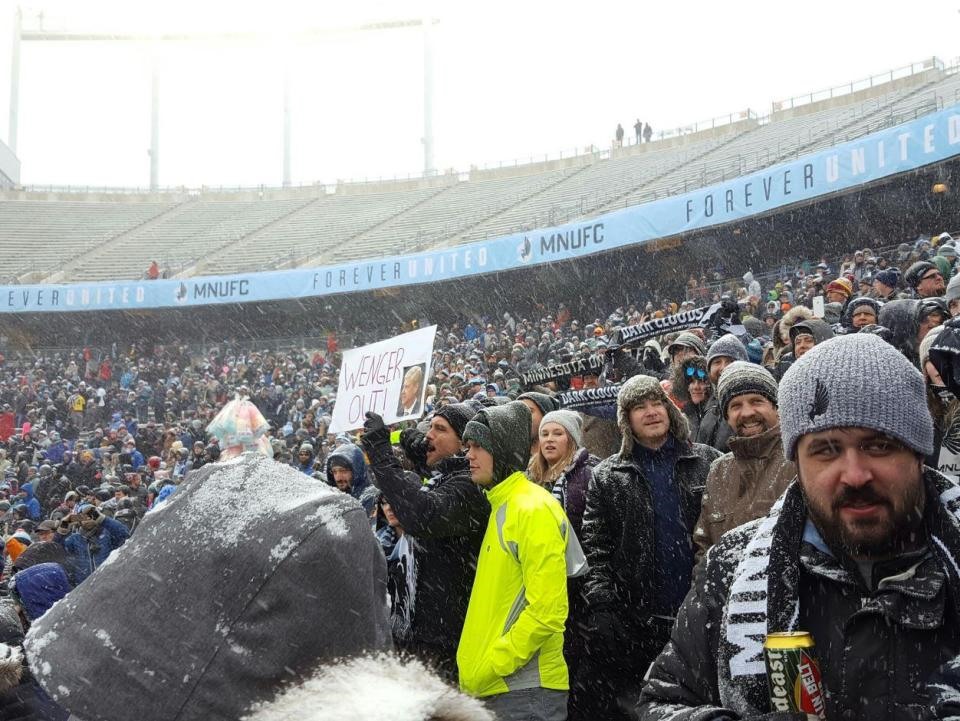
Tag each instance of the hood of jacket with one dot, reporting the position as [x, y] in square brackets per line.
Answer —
[358, 465]
[900, 318]
[819, 329]
[681, 382]
[857, 303]
[41, 586]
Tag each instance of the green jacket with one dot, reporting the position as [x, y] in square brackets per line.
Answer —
[513, 634]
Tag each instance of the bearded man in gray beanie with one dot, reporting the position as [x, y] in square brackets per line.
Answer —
[642, 505]
[860, 552]
[744, 483]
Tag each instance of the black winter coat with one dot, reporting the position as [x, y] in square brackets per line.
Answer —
[714, 430]
[618, 529]
[879, 650]
[447, 518]
[623, 635]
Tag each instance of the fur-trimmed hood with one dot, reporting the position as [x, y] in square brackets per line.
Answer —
[11, 667]
[383, 686]
[790, 319]
[631, 393]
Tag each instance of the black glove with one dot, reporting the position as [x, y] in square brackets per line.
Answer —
[414, 445]
[376, 436]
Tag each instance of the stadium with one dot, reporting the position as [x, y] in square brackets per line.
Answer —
[863, 164]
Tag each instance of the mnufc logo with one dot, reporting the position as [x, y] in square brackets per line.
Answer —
[578, 238]
[212, 290]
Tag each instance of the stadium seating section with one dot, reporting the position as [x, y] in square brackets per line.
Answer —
[48, 238]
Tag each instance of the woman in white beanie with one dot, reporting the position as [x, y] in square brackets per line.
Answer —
[563, 466]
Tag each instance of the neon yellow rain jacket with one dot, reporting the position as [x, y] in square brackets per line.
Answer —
[513, 634]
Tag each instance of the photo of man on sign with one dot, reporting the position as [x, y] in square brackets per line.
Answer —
[411, 390]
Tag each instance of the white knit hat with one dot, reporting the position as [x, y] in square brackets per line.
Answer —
[571, 422]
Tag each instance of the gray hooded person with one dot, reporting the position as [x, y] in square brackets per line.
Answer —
[251, 575]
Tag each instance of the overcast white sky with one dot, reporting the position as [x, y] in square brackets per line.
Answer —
[513, 80]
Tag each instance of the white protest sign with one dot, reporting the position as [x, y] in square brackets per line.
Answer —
[388, 377]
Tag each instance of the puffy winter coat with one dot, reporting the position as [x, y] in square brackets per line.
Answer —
[886, 652]
[513, 633]
[571, 488]
[743, 485]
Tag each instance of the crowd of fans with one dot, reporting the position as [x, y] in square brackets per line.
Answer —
[96, 440]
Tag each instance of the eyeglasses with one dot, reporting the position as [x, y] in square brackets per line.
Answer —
[692, 371]
[931, 275]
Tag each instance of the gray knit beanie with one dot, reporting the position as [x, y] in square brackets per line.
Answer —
[740, 378]
[859, 381]
[953, 289]
[631, 394]
[727, 346]
[687, 340]
[541, 400]
[571, 422]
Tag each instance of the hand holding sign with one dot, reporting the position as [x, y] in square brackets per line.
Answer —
[388, 378]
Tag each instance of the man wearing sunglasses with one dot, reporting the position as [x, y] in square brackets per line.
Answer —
[925, 279]
[860, 552]
[744, 483]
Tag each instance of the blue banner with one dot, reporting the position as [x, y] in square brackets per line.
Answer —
[929, 139]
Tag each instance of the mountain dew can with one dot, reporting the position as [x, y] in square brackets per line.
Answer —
[793, 675]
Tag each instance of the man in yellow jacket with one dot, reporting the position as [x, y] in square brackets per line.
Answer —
[511, 648]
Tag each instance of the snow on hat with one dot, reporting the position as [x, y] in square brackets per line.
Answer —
[687, 340]
[504, 432]
[916, 271]
[571, 422]
[953, 289]
[545, 403]
[889, 277]
[631, 394]
[457, 415]
[841, 285]
[726, 346]
[947, 251]
[740, 378]
[855, 381]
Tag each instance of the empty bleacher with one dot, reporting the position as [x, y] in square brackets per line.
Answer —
[37, 236]
[73, 239]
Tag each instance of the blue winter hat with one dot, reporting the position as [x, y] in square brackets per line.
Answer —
[889, 277]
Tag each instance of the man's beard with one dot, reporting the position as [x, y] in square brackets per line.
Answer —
[897, 530]
[764, 426]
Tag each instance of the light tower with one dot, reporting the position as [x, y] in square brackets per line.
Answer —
[308, 36]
